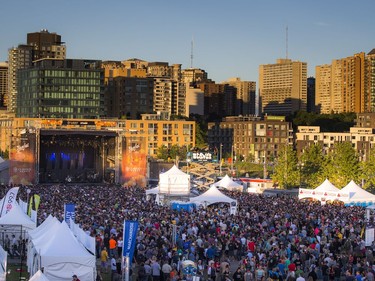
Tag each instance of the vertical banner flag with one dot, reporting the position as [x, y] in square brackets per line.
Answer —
[69, 213]
[130, 239]
[33, 203]
[9, 200]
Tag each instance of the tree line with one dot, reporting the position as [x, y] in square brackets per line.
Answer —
[339, 165]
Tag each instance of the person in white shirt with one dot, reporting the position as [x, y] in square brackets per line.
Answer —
[113, 267]
[166, 269]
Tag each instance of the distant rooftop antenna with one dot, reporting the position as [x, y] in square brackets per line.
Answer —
[286, 42]
[192, 53]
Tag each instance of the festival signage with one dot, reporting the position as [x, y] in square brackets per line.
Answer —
[9, 200]
[322, 195]
[202, 156]
[69, 213]
[134, 161]
[130, 239]
[22, 160]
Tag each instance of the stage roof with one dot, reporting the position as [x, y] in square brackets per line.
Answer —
[45, 132]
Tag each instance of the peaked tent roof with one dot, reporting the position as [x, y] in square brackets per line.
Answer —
[17, 217]
[212, 196]
[228, 183]
[350, 188]
[174, 171]
[357, 194]
[39, 276]
[327, 186]
[63, 247]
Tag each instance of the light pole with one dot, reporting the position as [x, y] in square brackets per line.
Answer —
[27, 201]
[221, 151]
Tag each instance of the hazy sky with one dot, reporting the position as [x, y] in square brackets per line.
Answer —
[231, 38]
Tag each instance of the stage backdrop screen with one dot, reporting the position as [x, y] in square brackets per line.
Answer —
[22, 160]
[134, 161]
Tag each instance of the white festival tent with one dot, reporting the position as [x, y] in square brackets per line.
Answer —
[227, 183]
[324, 192]
[16, 220]
[357, 195]
[38, 238]
[39, 276]
[3, 264]
[86, 240]
[212, 196]
[174, 182]
[61, 256]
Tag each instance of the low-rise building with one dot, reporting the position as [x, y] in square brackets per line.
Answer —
[362, 139]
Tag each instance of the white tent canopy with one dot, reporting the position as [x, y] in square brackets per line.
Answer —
[326, 186]
[212, 196]
[61, 256]
[154, 190]
[174, 182]
[324, 192]
[39, 276]
[15, 219]
[3, 264]
[227, 183]
[356, 194]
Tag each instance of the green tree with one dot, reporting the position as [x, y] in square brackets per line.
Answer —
[201, 135]
[342, 164]
[367, 168]
[171, 153]
[311, 165]
[162, 152]
[286, 173]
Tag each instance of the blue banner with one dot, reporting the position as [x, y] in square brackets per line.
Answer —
[130, 239]
[69, 213]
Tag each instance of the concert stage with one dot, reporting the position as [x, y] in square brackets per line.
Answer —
[72, 156]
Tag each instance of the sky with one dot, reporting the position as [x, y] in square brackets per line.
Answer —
[230, 38]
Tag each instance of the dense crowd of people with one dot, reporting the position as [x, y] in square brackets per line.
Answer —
[276, 237]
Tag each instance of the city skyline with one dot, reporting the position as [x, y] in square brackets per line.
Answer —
[230, 39]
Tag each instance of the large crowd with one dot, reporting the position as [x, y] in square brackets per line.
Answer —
[276, 237]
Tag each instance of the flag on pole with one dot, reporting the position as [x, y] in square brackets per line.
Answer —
[130, 239]
[69, 213]
[34, 202]
[9, 200]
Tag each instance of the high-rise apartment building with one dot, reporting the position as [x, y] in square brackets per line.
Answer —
[61, 89]
[219, 100]
[194, 95]
[130, 97]
[46, 45]
[370, 70]
[39, 45]
[245, 96]
[3, 83]
[250, 137]
[323, 87]
[283, 87]
[350, 88]
[18, 58]
[169, 96]
[310, 94]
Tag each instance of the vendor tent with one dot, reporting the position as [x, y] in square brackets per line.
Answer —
[324, 192]
[15, 220]
[39, 276]
[212, 196]
[326, 186]
[3, 264]
[357, 195]
[174, 182]
[227, 183]
[62, 256]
